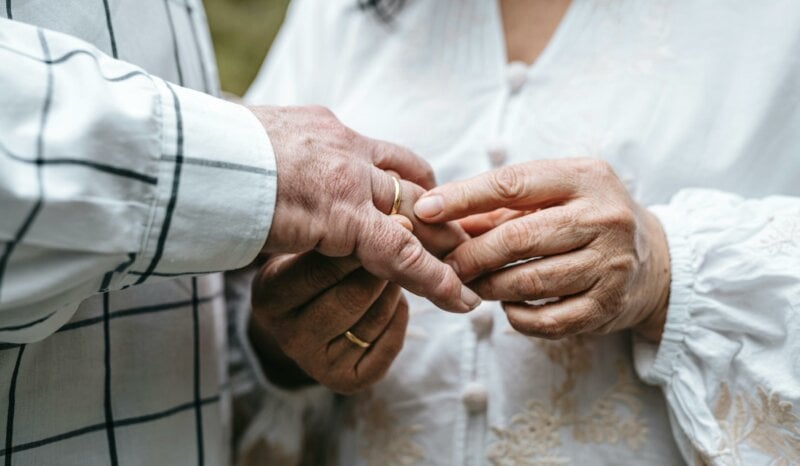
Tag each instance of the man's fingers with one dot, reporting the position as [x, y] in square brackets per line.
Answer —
[544, 233]
[570, 316]
[550, 277]
[391, 252]
[478, 224]
[527, 186]
[288, 281]
[408, 165]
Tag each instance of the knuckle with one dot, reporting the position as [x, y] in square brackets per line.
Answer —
[507, 183]
[321, 276]
[594, 307]
[320, 110]
[516, 239]
[622, 218]
[583, 166]
[532, 283]
[411, 254]
[290, 343]
[623, 264]
[597, 171]
[346, 197]
[350, 297]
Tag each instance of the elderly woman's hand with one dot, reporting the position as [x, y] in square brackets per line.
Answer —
[567, 229]
[304, 306]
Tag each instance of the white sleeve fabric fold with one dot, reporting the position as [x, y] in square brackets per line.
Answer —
[729, 358]
[111, 177]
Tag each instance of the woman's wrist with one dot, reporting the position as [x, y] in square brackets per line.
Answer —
[657, 285]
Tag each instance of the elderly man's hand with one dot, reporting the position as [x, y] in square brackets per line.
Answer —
[303, 305]
[568, 230]
[333, 197]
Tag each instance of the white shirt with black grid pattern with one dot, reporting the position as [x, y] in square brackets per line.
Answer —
[114, 173]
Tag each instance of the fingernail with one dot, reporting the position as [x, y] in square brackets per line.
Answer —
[429, 206]
[470, 298]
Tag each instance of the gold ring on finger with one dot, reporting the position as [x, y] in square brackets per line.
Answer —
[356, 341]
[397, 196]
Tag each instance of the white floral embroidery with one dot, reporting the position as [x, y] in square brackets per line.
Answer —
[764, 422]
[534, 435]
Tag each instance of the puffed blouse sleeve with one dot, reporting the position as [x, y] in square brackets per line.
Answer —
[729, 358]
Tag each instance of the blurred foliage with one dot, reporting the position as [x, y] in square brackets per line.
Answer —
[242, 31]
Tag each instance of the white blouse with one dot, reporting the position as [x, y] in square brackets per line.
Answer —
[697, 107]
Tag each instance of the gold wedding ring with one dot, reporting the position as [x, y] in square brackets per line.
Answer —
[397, 197]
[355, 340]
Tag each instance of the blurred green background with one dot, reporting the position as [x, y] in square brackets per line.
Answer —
[242, 31]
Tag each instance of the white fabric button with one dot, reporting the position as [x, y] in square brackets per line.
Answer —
[482, 321]
[517, 75]
[475, 397]
[498, 153]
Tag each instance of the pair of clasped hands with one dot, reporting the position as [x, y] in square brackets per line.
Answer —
[327, 300]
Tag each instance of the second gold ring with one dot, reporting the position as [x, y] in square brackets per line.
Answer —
[356, 341]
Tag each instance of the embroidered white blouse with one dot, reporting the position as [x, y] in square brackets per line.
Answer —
[697, 106]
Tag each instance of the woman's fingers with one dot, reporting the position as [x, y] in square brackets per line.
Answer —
[439, 238]
[570, 316]
[528, 186]
[549, 277]
[478, 224]
[544, 233]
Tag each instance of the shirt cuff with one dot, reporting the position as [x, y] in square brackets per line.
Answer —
[217, 186]
[655, 363]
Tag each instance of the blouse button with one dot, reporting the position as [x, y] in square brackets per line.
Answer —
[475, 397]
[482, 322]
[517, 75]
[498, 154]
